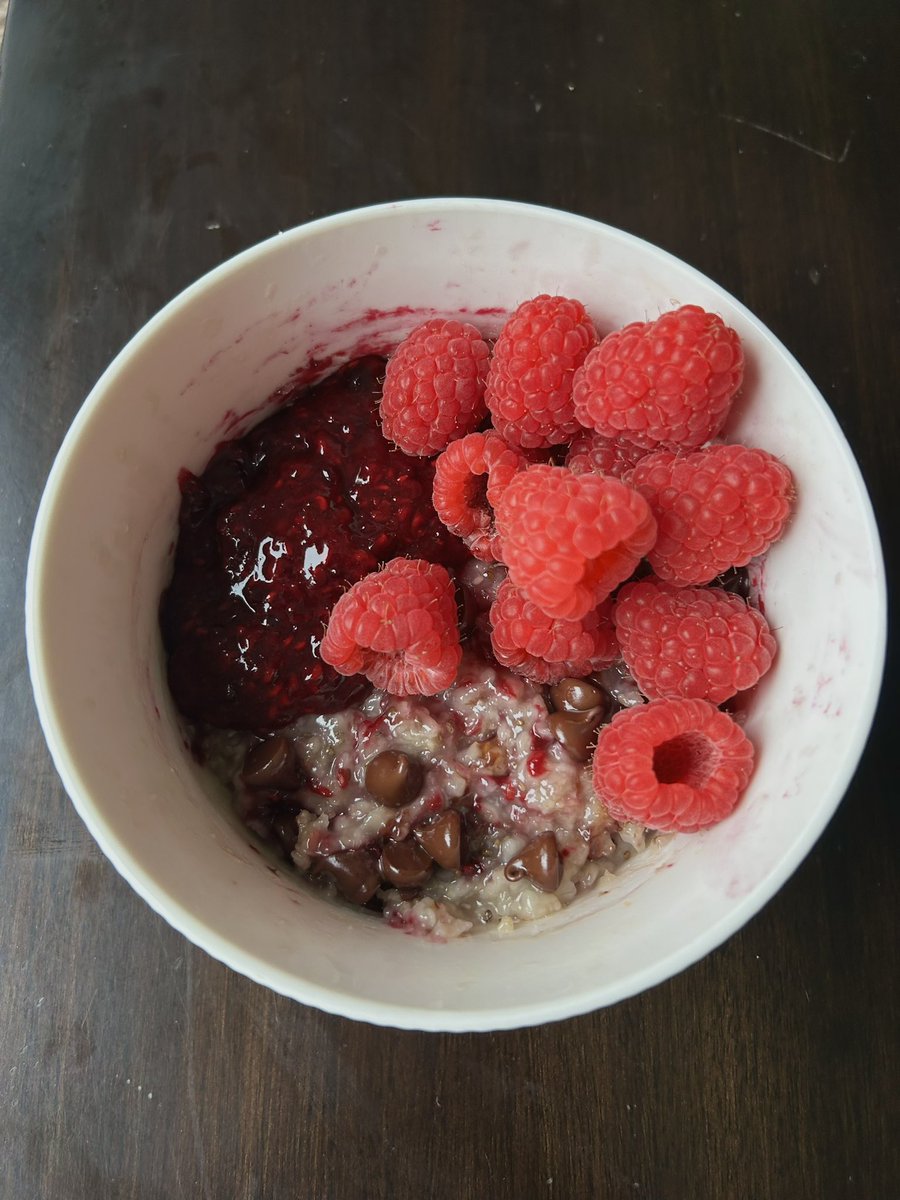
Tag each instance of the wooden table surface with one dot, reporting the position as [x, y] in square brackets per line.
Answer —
[141, 143]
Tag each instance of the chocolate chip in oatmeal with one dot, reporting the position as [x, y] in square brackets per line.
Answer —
[394, 778]
[441, 838]
[467, 612]
[354, 873]
[409, 893]
[404, 864]
[539, 861]
[272, 764]
[491, 758]
[577, 695]
[285, 830]
[577, 731]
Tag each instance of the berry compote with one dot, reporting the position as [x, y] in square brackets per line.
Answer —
[276, 528]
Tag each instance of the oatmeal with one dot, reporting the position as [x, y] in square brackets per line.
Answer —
[462, 809]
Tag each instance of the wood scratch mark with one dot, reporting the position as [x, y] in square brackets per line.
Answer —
[396, 112]
[786, 137]
[87, 1011]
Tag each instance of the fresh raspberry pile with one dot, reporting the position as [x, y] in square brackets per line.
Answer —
[672, 765]
[529, 384]
[641, 488]
[568, 539]
[526, 640]
[397, 627]
[469, 478]
[715, 509]
[434, 386]
[691, 643]
[668, 382]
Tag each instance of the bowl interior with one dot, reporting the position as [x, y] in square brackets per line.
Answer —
[201, 371]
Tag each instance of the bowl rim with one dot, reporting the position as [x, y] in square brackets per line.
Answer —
[334, 1000]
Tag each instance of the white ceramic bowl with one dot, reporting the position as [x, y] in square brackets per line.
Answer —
[198, 372]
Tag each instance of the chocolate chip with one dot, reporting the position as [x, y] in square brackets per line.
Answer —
[601, 845]
[272, 764]
[539, 861]
[441, 838]
[393, 778]
[492, 758]
[467, 612]
[576, 731]
[354, 873]
[576, 695]
[285, 829]
[251, 804]
[404, 864]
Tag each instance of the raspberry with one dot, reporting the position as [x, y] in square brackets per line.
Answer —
[468, 479]
[397, 627]
[691, 643]
[526, 640]
[716, 508]
[569, 539]
[672, 764]
[609, 456]
[668, 382]
[529, 384]
[434, 386]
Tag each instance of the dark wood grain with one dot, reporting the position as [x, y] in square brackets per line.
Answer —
[141, 144]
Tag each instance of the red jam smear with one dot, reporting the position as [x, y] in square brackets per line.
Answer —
[276, 528]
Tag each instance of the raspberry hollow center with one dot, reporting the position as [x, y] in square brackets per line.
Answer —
[597, 569]
[476, 493]
[687, 758]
